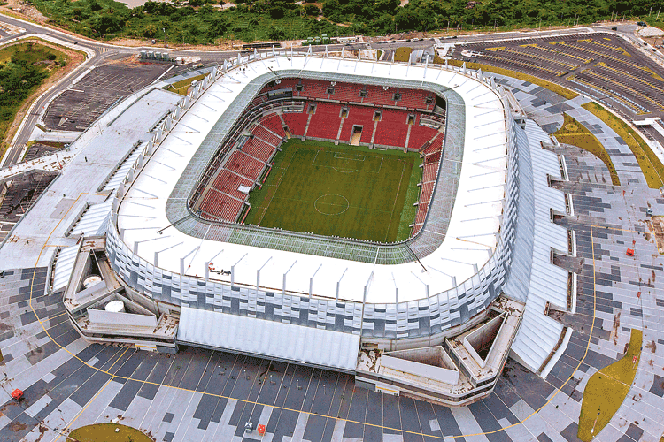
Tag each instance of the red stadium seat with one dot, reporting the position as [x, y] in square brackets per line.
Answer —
[223, 201]
[273, 123]
[325, 122]
[420, 135]
[265, 135]
[392, 129]
[258, 149]
[358, 116]
[244, 165]
[296, 122]
[218, 206]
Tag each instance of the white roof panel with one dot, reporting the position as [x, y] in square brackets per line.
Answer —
[94, 221]
[288, 342]
[471, 235]
[539, 334]
[64, 267]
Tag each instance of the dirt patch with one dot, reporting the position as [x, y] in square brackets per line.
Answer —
[652, 346]
[223, 46]
[616, 327]
[17, 427]
[656, 226]
[42, 432]
[35, 355]
[23, 10]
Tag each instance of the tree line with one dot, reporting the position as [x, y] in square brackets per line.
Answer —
[205, 22]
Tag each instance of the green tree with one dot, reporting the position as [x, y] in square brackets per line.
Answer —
[311, 10]
[217, 28]
[108, 24]
[94, 5]
[150, 31]
[276, 33]
[388, 6]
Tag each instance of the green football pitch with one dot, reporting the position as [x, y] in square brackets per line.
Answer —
[346, 191]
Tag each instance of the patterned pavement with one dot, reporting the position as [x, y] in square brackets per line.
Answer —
[203, 395]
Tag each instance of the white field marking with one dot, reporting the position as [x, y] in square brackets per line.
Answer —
[350, 207]
[394, 205]
[357, 156]
[345, 205]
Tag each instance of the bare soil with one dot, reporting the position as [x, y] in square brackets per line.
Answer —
[23, 10]
[656, 226]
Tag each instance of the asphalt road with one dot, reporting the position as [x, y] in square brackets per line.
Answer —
[103, 51]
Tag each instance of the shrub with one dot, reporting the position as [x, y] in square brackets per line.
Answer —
[312, 10]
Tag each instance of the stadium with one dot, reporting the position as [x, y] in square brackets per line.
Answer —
[392, 221]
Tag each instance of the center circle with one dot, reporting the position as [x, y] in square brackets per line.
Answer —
[331, 204]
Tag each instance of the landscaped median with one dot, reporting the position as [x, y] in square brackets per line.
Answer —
[402, 54]
[182, 87]
[606, 390]
[108, 432]
[650, 164]
[567, 93]
[574, 133]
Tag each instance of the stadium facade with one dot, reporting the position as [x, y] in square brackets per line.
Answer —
[434, 316]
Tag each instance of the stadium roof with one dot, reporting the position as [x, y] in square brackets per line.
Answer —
[253, 336]
[471, 236]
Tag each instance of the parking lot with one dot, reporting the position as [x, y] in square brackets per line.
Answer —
[602, 65]
[80, 105]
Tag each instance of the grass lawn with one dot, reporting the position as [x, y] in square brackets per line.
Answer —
[606, 390]
[402, 54]
[574, 133]
[649, 163]
[345, 191]
[107, 433]
[182, 87]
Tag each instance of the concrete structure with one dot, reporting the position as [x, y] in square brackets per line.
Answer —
[164, 252]
[459, 264]
[473, 254]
